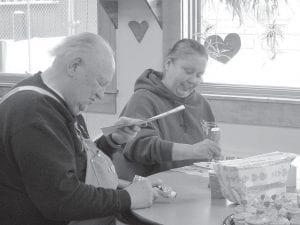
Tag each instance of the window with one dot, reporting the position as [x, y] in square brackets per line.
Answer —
[262, 79]
[29, 29]
[270, 41]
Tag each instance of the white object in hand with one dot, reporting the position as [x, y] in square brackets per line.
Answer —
[215, 134]
[111, 129]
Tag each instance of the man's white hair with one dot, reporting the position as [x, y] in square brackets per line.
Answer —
[83, 43]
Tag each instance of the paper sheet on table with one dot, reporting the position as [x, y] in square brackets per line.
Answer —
[192, 170]
[206, 165]
[111, 129]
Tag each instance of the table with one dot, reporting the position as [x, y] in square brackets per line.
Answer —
[192, 206]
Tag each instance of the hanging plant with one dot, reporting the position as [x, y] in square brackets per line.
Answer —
[259, 8]
[272, 34]
[265, 13]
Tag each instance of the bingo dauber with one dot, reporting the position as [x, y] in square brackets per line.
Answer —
[167, 190]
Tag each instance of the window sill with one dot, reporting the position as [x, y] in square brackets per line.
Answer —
[254, 105]
[254, 98]
[107, 105]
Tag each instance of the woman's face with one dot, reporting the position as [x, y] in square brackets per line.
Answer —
[182, 75]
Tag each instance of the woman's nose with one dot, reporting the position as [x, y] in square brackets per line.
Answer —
[195, 79]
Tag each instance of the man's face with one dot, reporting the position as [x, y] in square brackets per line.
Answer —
[93, 78]
[182, 75]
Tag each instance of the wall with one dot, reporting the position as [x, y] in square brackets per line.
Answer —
[132, 57]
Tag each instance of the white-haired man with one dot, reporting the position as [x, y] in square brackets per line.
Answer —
[44, 143]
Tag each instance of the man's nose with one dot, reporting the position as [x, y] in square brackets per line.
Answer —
[100, 93]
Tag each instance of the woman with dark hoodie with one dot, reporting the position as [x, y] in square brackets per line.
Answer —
[176, 140]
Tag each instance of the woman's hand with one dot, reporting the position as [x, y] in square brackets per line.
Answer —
[207, 149]
[203, 150]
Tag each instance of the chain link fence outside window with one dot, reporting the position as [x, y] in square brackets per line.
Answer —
[30, 28]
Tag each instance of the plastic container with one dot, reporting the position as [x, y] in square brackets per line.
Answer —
[215, 187]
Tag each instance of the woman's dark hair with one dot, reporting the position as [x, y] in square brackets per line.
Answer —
[186, 47]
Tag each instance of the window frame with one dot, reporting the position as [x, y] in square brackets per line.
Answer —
[231, 103]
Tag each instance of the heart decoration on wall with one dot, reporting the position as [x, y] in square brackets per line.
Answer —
[220, 50]
[138, 29]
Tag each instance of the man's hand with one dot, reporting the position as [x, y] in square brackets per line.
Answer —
[142, 194]
[124, 134]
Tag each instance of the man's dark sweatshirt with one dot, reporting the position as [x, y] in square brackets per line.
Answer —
[42, 165]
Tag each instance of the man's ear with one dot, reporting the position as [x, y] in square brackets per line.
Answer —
[73, 66]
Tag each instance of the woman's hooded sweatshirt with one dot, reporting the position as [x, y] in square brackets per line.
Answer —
[151, 150]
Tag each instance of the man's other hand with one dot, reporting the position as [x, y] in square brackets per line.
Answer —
[124, 134]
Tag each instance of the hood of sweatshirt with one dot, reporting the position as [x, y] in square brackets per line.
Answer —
[152, 81]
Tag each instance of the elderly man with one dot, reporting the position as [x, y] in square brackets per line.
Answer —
[48, 165]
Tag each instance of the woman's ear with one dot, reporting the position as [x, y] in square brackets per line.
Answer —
[167, 64]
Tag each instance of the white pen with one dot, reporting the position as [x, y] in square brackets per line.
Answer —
[177, 109]
[111, 129]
